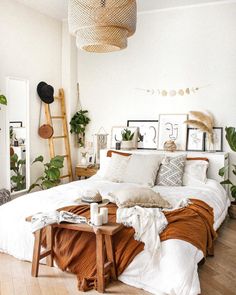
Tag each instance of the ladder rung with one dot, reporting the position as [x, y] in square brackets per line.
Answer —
[57, 137]
[57, 97]
[65, 176]
[57, 117]
[65, 156]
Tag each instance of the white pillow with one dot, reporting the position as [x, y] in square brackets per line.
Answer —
[104, 165]
[195, 172]
[142, 169]
[116, 168]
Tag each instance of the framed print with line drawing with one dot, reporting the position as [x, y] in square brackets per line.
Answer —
[147, 133]
[172, 127]
[195, 140]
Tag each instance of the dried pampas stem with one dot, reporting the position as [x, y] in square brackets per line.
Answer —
[206, 119]
[198, 124]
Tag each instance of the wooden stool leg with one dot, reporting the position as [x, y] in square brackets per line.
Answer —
[100, 262]
[111, 256]
[36, 253]
[50, 241]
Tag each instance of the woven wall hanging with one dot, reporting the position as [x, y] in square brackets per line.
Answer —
[102, 25]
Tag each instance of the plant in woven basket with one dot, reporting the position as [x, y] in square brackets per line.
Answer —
[203, 122]
[78, 125]
[18, 179]
[51, 174]
[231, 139]
[3, 99]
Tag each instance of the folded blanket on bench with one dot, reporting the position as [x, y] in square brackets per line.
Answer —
[76, 251]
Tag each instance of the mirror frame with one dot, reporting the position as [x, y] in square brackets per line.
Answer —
[8, 79]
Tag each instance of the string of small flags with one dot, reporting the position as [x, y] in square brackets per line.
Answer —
[180, 92]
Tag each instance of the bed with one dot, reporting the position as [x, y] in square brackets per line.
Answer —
[176, 270]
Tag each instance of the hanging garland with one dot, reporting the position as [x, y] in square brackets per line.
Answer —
[172, 92]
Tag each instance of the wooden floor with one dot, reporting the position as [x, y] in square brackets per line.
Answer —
[217, 275]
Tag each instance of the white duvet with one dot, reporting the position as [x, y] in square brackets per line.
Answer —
[175, 273]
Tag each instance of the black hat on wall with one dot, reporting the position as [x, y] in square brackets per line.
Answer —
[45, 92]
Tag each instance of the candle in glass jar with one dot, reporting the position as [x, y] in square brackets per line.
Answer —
[97, 219]
[104, 212]
[93, 211]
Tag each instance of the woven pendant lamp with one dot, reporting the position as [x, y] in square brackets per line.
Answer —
[102, 25]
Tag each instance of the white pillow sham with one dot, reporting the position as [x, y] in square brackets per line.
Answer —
[195, 172]
[116, 168]
[142, 169]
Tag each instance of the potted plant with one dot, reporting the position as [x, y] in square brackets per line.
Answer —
[231, 139]
[3, 99]
[78, 125]
[127, 139]
[51, 174]
[18, 179]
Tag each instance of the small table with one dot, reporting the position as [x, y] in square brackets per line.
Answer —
[104, 244]
[85, 172]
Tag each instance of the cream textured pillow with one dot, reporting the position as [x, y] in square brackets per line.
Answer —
[116, 168]
[171, 171]
[142, 169]
[143, 197]
[195, 172]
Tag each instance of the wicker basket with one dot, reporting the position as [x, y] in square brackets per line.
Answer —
[232, 210]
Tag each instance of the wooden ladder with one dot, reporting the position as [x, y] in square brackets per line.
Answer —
[64, 136]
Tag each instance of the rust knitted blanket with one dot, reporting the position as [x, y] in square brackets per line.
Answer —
[75, 251]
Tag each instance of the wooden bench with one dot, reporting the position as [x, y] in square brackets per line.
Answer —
[104, 249]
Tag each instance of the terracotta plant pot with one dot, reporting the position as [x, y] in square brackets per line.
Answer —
[232, 210]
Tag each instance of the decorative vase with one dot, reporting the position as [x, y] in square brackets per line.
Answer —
[170, 146]
[127, 145]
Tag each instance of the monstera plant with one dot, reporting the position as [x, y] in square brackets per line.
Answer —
[231, 139]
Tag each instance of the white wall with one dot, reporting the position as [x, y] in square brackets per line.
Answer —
[171, 49]
[69, 82]
[30, 48]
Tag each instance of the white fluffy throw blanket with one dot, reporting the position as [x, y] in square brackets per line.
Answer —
[148, 223]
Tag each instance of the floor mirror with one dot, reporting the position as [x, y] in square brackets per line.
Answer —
[17, 92]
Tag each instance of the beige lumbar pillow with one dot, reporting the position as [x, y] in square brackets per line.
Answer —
[143, 197]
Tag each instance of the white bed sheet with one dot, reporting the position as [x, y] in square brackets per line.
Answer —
[174, 273]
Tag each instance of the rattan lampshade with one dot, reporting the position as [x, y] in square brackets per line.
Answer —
[102, 25]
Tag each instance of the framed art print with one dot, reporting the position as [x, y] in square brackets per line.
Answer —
[147, 133]
[217, 139]
[195, 140]
[172, 127]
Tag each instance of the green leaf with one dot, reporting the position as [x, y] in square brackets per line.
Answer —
[222, 171]
[226, 182]
[231, 137]
[33, 186]
[38, 159]
[21, 162]
[48, 184]
[3, 100]
[53, 173]
[233, 191]
[57, 162]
